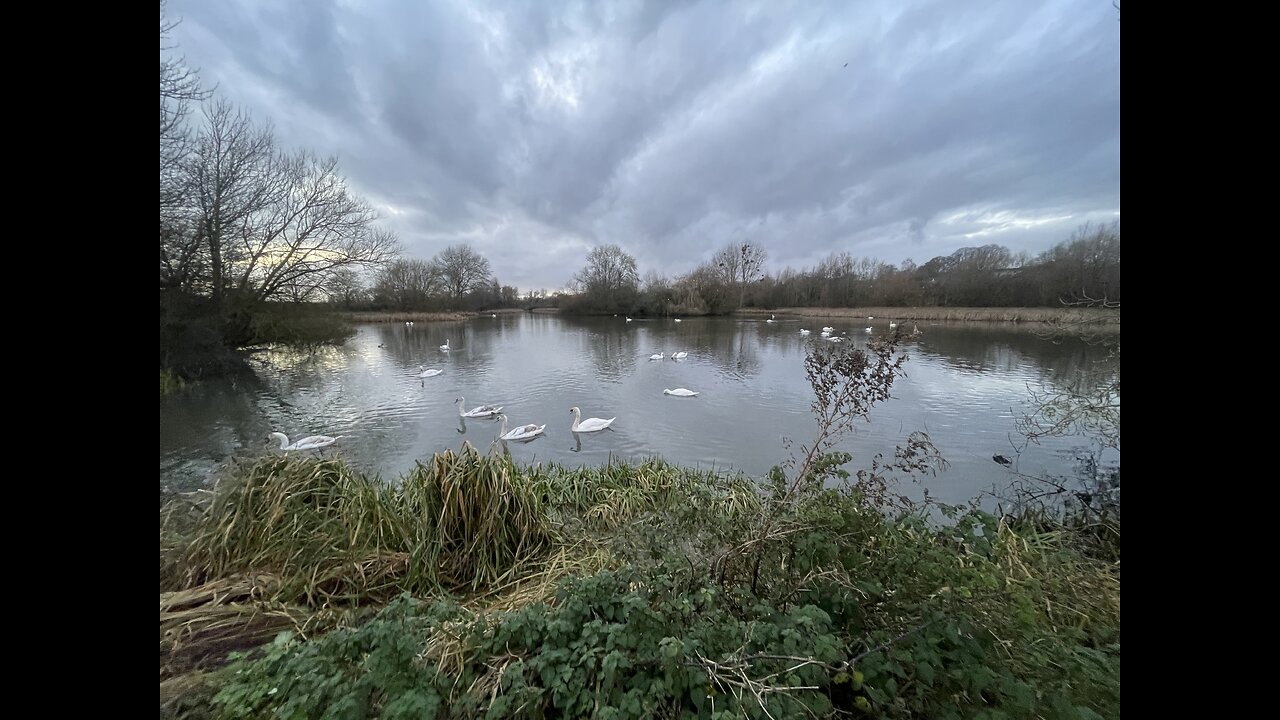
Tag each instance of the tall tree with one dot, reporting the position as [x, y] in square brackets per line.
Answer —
[610, 279]
[274, 223]
[462, 270]
[741, 265]
[406, 284]
[179, 89]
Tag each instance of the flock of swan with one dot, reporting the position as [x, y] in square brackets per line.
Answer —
[828, 333]
[533, 430]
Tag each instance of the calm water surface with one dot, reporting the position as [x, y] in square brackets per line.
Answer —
[965, 385]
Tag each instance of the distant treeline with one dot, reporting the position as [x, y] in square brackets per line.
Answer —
[1084, 268]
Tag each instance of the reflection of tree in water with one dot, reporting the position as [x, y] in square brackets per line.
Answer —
[979, 348]
[419, 344]
[224, 421]
[734, 348]
[611, 346]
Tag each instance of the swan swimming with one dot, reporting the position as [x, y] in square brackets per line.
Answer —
[771, 319]
[477, 412]
[314, 442]
[828, 329]
[679, 320]
[588, 425]
[805, 332]
[868, 331]
[657, 356]
[680, 392]
[425, 373]
[893, 325]
[524, 432]
[445, 346]
[680, 355]
[628, 319]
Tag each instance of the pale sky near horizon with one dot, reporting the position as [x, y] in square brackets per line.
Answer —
[537, 130]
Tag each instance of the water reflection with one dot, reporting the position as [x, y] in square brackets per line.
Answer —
[965, 385]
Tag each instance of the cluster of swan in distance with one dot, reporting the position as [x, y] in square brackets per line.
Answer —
[533, 430]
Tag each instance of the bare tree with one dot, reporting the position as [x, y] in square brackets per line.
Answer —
[345, 288]
[610, 278]
[179, 89]
[407, 284]
[274, 224]
[705, 287]
[233, 179]
[741, 265]
[462, 270]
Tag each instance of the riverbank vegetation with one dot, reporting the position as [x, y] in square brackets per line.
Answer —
[1086, 265]
[1092, 316]
[478, 587]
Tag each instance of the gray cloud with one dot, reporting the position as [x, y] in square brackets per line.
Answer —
[537, 130]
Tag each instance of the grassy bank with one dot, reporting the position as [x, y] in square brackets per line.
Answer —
[499, 590]
[921, 314]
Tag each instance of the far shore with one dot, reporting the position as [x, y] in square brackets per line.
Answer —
[391, 316]
[1092, 316]
[1099, 316]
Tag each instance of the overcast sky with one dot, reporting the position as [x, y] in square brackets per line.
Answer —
[537, 130]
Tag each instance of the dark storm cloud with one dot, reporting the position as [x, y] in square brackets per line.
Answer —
[537, 130]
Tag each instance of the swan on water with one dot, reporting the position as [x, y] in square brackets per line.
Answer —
[445, 346]
[481, 411]
[680, 355]
[588, 425]
[680, 392]
[524, 432]
[314, 442]
[425, 373]
[657, 356]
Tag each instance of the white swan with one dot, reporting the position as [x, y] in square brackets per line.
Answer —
[805, 332]
[657, 356]
[679, 320]
[524, 432]
[868, 331]
[314, 442]
[494, 315]
[628, 319]
[425, 373]
[588, 425]
[680, 355]
[445, 346]
[770, 320]
[826, 333]
[828, 329]
[893, 325]
[680, 392]
[481, 411]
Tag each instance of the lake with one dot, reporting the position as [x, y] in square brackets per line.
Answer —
[965, 384]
